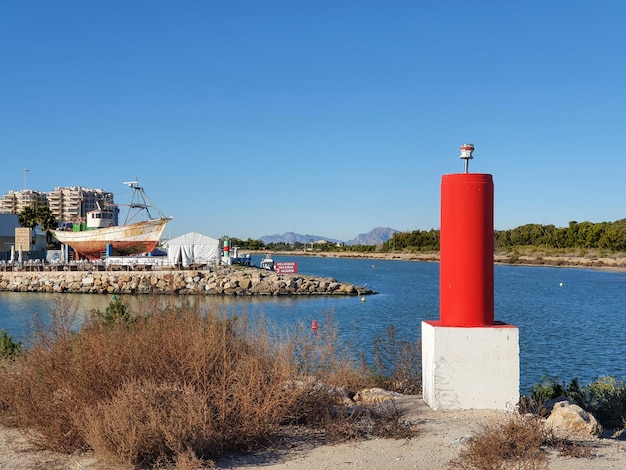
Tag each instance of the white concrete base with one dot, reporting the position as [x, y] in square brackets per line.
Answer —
[470, 368]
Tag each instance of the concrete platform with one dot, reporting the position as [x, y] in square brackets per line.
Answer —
[470, 367]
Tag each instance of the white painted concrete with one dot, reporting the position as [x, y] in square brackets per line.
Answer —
[470, 368]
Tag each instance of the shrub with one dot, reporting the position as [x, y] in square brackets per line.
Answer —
[397, 363]
[605, 398]
[116, 312]
[322, 354]
[9, 349]
[548, 389]
[515, 444]
[178, 384]
[77, 390]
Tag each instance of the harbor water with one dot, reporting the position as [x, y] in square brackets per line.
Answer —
[571, 321]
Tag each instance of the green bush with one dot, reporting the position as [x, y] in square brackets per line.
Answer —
[548, 389]
[604, 398]
[8, 348]
[116, 312]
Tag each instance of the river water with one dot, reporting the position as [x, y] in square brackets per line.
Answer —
[571, 321]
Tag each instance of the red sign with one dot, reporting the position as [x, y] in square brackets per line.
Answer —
[289, 267]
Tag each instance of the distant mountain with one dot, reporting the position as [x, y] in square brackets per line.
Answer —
[378, 236]
[291, 237]
[374, 237]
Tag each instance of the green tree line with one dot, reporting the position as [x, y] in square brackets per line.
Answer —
[603, 235]
[417, 240]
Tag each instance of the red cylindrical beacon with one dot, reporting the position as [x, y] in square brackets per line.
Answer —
[466, 250]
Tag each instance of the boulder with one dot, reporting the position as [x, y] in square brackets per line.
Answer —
[374, 395]
[569, 417]
[547, 406]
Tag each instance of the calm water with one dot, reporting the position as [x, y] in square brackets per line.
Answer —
[571, 321]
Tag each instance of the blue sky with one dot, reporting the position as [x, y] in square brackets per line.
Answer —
[331, 118]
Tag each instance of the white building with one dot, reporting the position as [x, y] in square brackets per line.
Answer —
[67, 204]
[15, 202]
[71, 203]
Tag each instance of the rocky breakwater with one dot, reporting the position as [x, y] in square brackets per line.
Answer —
[221, 280]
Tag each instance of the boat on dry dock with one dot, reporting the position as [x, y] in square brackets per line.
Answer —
[99, 233]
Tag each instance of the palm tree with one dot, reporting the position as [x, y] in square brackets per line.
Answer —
[27, 218]
[47, 221]
[42, 216]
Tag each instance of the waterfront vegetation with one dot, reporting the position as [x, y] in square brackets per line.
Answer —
[608, 236]
[172, 384]
[605, 237]
[604, 397]
[9, 348]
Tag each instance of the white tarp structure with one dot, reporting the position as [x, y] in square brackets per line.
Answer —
[193, 248]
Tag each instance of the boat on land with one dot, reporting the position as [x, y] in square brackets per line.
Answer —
[99, 234]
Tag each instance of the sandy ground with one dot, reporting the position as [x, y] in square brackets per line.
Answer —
[441, 436]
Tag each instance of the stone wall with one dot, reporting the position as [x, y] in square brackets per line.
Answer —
[218, 281]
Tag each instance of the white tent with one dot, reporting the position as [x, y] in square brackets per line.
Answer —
[193, 248]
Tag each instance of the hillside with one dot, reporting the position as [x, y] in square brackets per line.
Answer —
[375, 236]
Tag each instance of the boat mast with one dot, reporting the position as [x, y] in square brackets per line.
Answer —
[141, 201]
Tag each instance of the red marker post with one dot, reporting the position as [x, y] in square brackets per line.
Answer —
[466, 263]
[469, 361]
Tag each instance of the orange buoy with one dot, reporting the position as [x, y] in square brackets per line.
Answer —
[314, 325]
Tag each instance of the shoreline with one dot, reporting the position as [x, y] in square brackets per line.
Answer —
[221, 281]
[616, 262]
[441, 437]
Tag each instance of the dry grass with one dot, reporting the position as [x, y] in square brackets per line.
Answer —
[179, 385]
[519, 443]
[514, 444]
[397, 363]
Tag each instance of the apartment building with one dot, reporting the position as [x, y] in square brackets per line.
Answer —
[67, 204]
[71, 204]
[15, 202]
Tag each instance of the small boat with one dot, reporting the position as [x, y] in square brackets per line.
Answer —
[267, 263]
[90, 239]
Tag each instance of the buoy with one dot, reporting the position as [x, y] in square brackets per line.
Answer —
[362, 299]
[560, 284]
[314, 325]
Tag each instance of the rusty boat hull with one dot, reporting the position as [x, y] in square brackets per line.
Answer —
[130, 239]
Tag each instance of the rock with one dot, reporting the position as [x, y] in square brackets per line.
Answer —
[219, 281]
[460, 441]
[386, 408]
[374, 395]
[572, 418]
[547, 406]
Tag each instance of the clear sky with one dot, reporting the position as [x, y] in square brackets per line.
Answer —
[250, 118]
